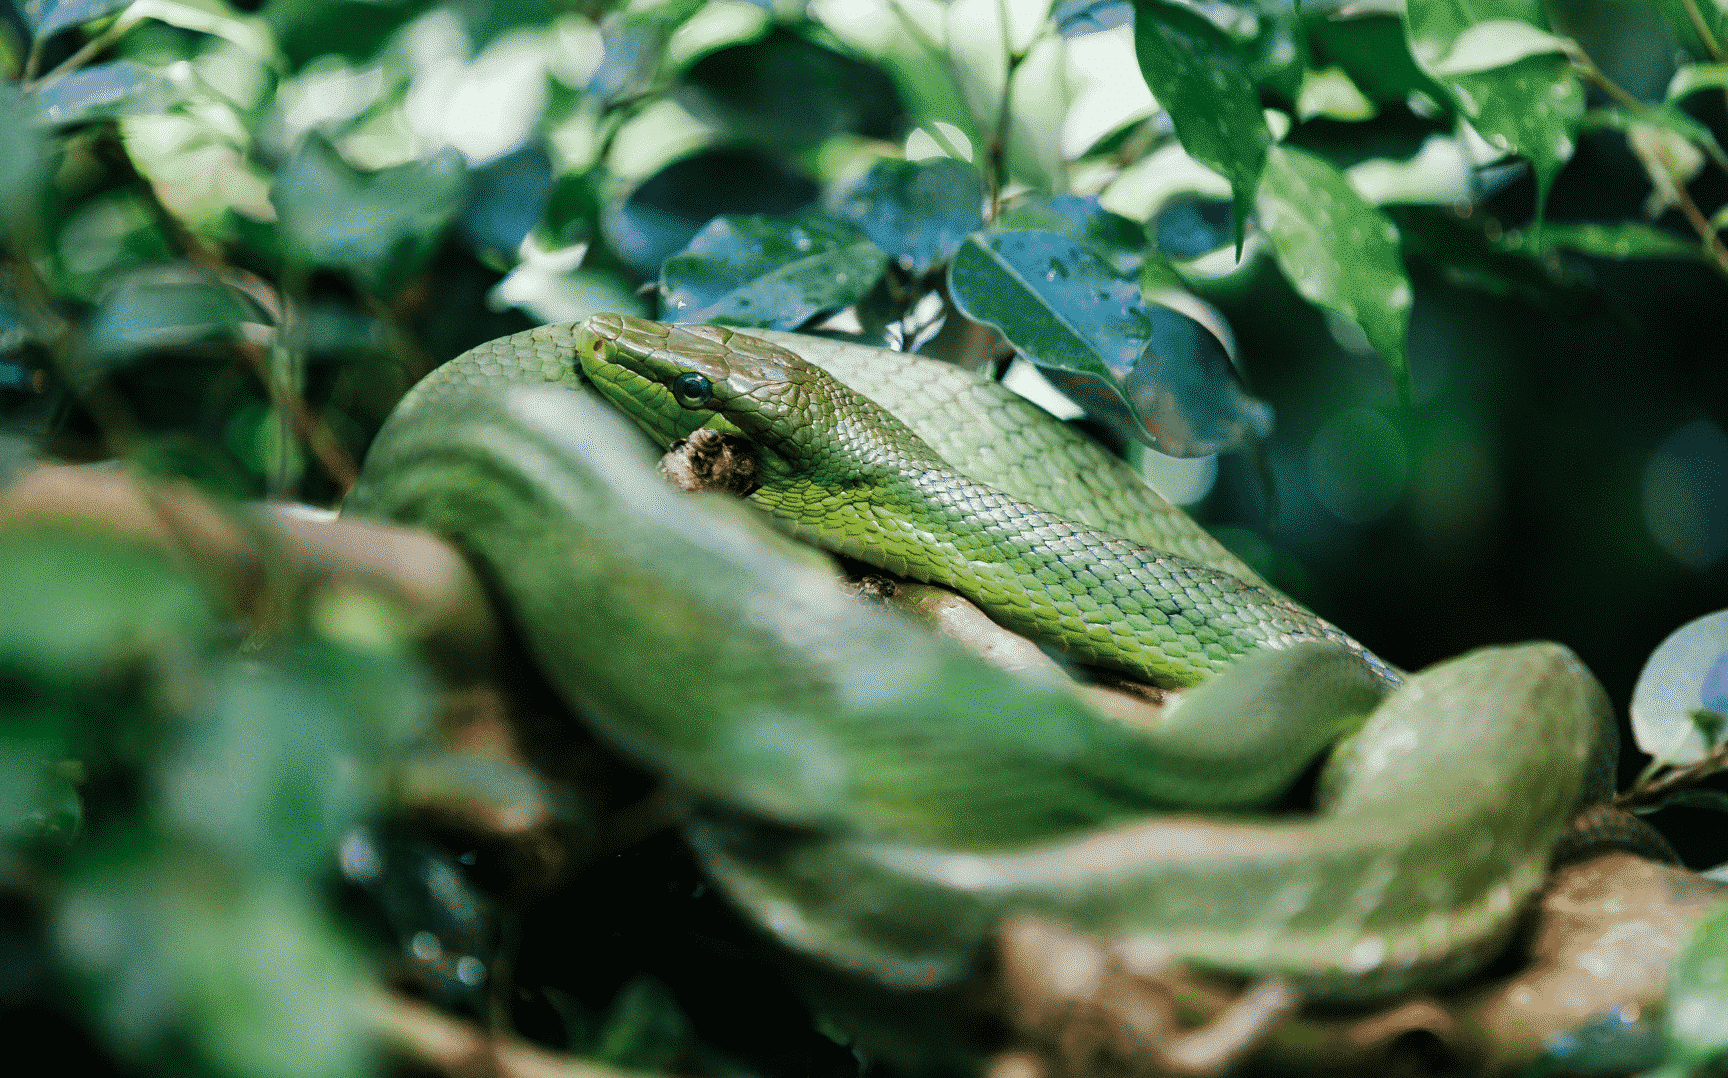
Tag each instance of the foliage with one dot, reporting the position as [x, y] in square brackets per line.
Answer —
[231, 235]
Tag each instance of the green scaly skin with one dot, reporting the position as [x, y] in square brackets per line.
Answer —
[944, 793]
[842, 473]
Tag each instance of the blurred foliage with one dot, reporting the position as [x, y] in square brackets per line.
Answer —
[1468, 257]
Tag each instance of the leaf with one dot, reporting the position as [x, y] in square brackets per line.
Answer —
[1618, 239]
[114, 602]
[23, 159]
[1152, 373]
[1517, 87]
[1695, 77]
[1202, 81]
[213, 17]
[1684, 17]
[165, 307]
[1491, 44]
[381, 225]
[1118, 240]
[48, 17]
[1691, 663]
[1695, 1019]
[1338, 252]
[119, 88]
[769, 272]
[916, 211]
[787, 91]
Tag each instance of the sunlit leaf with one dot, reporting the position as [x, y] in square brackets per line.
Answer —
[1694, 77]
[1687, 673]
[214, 17]
[118, 88]
[1150, 372]
[1202, 81]
[1339, 252]
[916, 211]
[770, 272]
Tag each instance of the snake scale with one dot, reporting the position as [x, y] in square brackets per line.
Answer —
[917, 795]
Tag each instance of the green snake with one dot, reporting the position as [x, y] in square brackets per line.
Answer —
[881, 798]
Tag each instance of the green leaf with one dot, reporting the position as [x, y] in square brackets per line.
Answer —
[1150, 372]
[1695, 1020]
[1685, 17]
[771, 272]
[173, 953]
[381, 226]
[1339, 252]
[1202, 81]
[165, 307]
[1695, 77]
[114, 602]
[916, 211]
[1118, 240]
[48, 17]
[120, 88]
[1687, 672]
[269, 774]
[1618, 239]
[23, 158]
[213, 17]
[1510, 77]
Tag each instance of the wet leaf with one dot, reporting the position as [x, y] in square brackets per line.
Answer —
[1339, 252]
[770, 272]
[1686, 674]
[48, 17]
[1152, 373]
[1202, 81]
[916, 211]
[1118, 240]
[119, 88]
[1510, 77]
[380, 225]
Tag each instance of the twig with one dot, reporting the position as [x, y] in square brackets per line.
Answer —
[1651, 790]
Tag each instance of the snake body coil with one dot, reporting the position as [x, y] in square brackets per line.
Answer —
[934, 794]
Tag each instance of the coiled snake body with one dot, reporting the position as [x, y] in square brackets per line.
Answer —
[930, 795]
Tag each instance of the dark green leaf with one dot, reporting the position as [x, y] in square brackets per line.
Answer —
[1339, 252]
[1684, 17]
[1150, 372]
[120, 88]
[347, 28]
[666, 210]
[1695, 1019]
[771, 272]
[786, 91]
[1699, 797]
[1371, 49]
[1672, 686]
[379, 225]
[23, 157]
[916, 211]
[165, 307]
[48, 17]
[644, 1030]
[1202, 81]
[1116, 239]
[1190, 227]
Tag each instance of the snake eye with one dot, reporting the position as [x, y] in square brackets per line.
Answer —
[692, 390]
